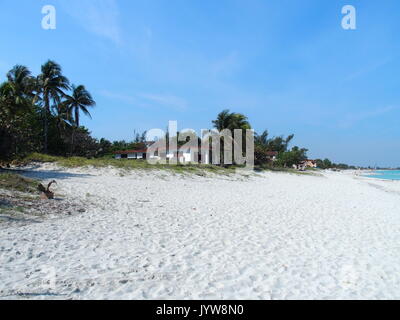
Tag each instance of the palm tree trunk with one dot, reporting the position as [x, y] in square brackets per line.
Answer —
[77, 117]
[75, 127]
[72, 140]
[46, 124]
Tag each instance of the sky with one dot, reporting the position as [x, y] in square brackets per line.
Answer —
[288, 65]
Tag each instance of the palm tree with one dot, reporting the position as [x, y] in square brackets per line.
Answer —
[15, 105]
[279, 144]
[79, 101]
[20, 78]
[16, 94]
[17, 91]
[223, 121]
[63, 118]
[51, 84]
[262, 139]
[7, 99]
[231, 120]
[239, 121]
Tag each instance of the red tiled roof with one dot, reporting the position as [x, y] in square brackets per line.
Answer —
[269, 153]
[158, 149]
[131, 151]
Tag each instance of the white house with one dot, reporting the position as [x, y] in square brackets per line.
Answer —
[184, 156]
[131, 154]
[190, 155]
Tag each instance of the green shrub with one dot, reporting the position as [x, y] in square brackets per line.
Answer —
[38, 157]
[11, 181]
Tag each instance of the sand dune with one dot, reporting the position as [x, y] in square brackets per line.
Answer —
[160, 236]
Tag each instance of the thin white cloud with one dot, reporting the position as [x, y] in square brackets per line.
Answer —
[116, 96]
[146, 100]
[100, 17]
[166, 100]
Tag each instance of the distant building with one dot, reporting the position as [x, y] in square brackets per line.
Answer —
[131, 154]
[183, 156]
[272, 155]
[303, 165]
[134, 154]
[308, 164]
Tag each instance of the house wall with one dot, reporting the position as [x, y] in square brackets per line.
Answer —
[187, 157]
[311, 164]
[206, 159]
[136, 155]
[184, 157]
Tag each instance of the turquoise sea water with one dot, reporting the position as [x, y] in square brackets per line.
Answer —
[386, 174]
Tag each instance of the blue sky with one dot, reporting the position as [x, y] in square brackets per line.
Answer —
[287, 64]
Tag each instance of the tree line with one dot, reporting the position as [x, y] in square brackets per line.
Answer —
[263, 143]
[42, 114]
[328, 164]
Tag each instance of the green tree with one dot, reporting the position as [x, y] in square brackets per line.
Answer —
[79, 100]
[22, 84]
[278, 144]
[18, 118]
[33, 107]
[231, 121]
[50, 88]
[327, 164]
[292, 157]
[105, 147]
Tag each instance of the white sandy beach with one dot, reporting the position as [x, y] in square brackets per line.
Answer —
[163, 236]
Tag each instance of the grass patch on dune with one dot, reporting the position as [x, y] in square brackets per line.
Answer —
[125, 164]
[12, 181]
[129, 164]
[308, 172]
[38, 157]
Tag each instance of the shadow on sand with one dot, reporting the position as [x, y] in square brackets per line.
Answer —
[10, 219]
[33, 294]
[31, 172]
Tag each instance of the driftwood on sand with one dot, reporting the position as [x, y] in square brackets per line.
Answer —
[45, 192]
